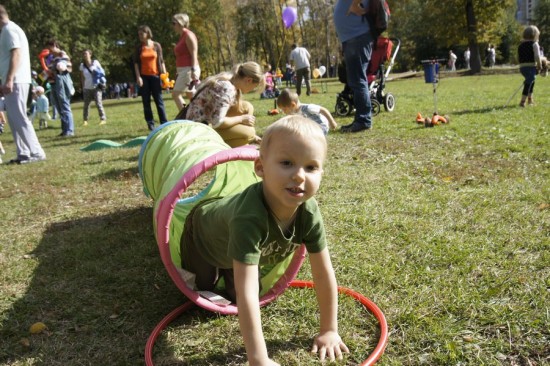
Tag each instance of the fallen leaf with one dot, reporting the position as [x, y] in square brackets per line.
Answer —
[37, 328]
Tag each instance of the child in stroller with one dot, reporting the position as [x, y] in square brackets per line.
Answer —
[376, 76]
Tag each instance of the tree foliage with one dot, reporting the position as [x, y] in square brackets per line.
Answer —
[542, 21]
[233, 31]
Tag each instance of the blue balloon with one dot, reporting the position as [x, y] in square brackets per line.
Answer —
[289, 16]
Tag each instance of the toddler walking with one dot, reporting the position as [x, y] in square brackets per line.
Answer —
[42, 108]
[530, 63]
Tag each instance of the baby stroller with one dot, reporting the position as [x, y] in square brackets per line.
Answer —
[376, 76]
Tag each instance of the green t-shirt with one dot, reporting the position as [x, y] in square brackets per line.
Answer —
[241, 227]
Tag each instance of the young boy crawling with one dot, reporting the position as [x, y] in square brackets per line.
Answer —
[289, 102]
[232, 236]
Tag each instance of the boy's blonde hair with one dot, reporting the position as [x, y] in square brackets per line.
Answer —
[531, 33]
[294, 125]
[287, 97]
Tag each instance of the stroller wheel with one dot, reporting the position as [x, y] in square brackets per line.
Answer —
[343, 107]
[375, 109]
[389, 102]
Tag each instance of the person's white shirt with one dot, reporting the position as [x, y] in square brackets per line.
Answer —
[12, 37]
[301, 57]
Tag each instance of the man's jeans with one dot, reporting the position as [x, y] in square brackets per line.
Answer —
[357, 55]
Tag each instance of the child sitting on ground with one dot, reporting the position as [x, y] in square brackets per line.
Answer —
[271, 90]
[42, 108]
[289, 102]
[264, 224]
[530, 62]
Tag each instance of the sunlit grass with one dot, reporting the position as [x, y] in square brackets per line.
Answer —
[446, 229]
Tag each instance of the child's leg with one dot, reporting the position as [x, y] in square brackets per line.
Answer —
[206, 275]
[229, 282]
[530, 94]
[528, 84]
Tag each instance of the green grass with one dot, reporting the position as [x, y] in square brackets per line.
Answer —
[446, 229]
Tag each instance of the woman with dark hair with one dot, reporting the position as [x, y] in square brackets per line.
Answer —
[148, 65]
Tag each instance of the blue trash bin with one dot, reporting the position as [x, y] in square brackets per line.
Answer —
[431, 69]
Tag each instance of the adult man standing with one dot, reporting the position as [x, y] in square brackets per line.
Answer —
[357, 43]
[300, 56]
[15, 74]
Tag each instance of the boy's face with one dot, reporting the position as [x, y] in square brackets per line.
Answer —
[291, 169]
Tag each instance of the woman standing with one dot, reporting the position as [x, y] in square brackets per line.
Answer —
[218, 102]
[59, 70]
[148, 65]
[187, 59]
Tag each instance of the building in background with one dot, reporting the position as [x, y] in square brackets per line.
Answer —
[526, 11]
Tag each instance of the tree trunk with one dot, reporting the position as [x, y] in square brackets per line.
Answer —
[475, 58]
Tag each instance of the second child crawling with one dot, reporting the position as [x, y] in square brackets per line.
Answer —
[289, 102]
[261, 225]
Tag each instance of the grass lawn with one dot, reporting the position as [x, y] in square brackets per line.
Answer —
[446, 229]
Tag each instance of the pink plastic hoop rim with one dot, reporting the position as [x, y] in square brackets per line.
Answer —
[365, 301]
[165, 213]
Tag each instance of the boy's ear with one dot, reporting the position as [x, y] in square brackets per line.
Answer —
[259, 167]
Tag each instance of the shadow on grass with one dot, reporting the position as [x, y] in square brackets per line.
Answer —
[118, 174]
[84, 140]
[99, 286]
[485, 109]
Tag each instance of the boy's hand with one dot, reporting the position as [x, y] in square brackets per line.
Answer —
[329, 344]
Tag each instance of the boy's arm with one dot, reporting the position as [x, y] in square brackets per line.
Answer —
[248, 304]
[331, 122]
[328, 342]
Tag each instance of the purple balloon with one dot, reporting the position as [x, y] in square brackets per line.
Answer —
[289, 16]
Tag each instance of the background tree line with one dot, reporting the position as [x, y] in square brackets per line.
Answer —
[233, 31]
